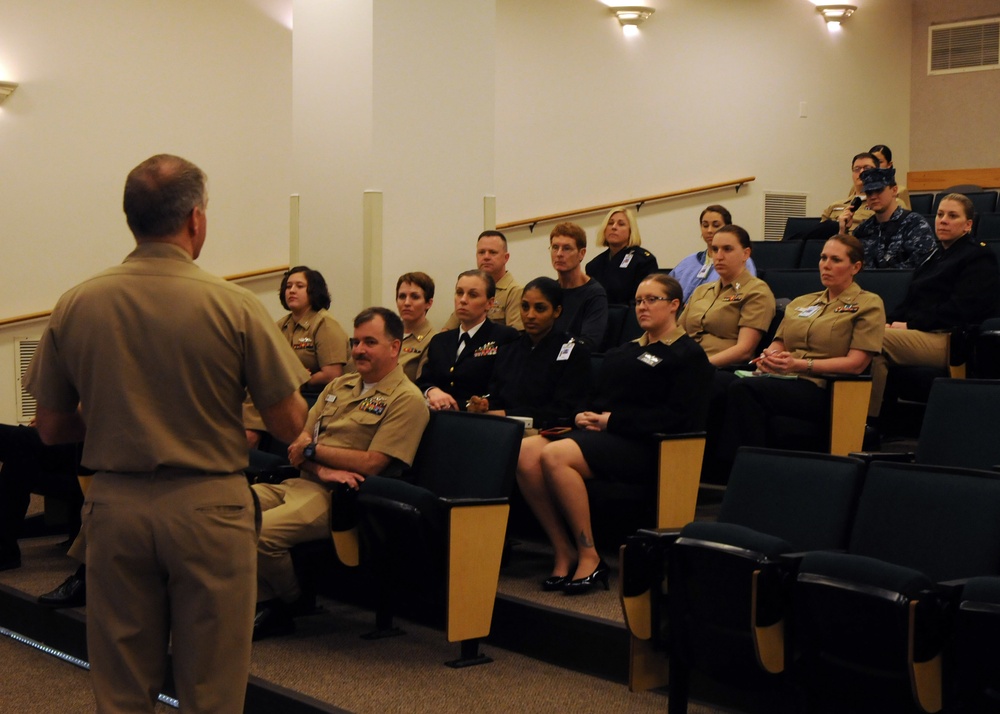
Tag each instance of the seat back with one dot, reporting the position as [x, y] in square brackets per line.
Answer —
[790, 283]
[804, 498]
[982, 201]
[811, 250]
[985, 362]
[775, 255]
[960, 424]
[988, 227]
[797, 227]
[939, 520]
[465, 455]
[890, 285]
[921, 203]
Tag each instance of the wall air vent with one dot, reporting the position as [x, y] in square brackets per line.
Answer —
[26, 405]
[964, 46]
[778, 208]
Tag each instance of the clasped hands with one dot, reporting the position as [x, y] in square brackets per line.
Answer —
[592, 421]
[777, 362]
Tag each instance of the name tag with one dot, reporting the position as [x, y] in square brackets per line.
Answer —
[331, 398]
[650, 359]
[565, 351]
[487, 350]
[808, 311]
[373, 405]
[847, 308]
[703, 273]
[628, 259]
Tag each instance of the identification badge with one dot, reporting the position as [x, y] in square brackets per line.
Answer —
[628, 259]
[808, 311]
[703, 273]
[847, 308]
[565, 351]
[650, 359]
[331, 398]
[373, 405]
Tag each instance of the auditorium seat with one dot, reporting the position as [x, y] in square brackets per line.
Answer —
[870, 625]
[775, 255]
[728, 582]
[437, 533]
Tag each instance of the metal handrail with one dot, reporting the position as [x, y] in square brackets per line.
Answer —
[232, 278]
[638, 202]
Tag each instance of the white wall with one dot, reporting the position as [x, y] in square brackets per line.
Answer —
[708, 92]
[396, 98]
[105, 85]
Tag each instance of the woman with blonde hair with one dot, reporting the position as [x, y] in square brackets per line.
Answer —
[624, 264]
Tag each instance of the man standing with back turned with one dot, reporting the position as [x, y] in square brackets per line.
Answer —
[151, 359]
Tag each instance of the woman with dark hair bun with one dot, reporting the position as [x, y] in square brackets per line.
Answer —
[698, 268]
[317, 338]
[544, 375]
[656, 384]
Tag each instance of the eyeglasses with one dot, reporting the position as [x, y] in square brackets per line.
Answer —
[649, 301]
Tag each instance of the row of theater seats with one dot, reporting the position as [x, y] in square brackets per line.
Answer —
[827, 584]
[434, 536]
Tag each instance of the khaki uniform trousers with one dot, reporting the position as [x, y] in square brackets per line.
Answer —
[170, 558]
[911, 348]
[293, 511]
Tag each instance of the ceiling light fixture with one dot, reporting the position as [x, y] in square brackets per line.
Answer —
[631, 17]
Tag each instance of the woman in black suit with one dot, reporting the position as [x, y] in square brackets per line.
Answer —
[458, 363]
[545, 375]
[658, 383]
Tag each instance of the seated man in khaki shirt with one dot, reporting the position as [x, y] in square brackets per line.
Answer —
[366, 423]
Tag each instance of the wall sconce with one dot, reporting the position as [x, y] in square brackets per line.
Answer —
[835, 15]
[631, 17]
[6, 89]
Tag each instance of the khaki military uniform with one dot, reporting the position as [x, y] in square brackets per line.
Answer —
[159, 354]
[715, 313]
[318, 341]
[506, 308]
[388, 418]
[413, 346]
[817, 327]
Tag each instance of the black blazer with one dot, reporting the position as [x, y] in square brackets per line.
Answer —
[532, 381]
[470, 375]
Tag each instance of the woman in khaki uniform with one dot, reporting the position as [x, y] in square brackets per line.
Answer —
[728, 318]
[414, 297]
[835, 331]
[319, 341]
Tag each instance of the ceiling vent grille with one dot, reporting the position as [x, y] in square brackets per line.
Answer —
[26, 406]
[964, 46]
[778, 208]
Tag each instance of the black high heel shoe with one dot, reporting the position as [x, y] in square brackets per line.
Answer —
[585, 585]
[555, 582]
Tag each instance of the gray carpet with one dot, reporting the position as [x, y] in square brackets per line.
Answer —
[327, 660]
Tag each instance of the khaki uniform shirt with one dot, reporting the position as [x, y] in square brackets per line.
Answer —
[318, 340]
[817, 327]
[506, 308]
[413, 347]
[389, 418]
[715, 313]
[159, 355]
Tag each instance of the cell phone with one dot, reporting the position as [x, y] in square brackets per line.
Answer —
[555, 432]
[856, 203]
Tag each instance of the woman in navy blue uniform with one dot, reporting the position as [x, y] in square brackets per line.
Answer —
[545, 375]
[624, 264]
[658, 383]
[458, 364]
